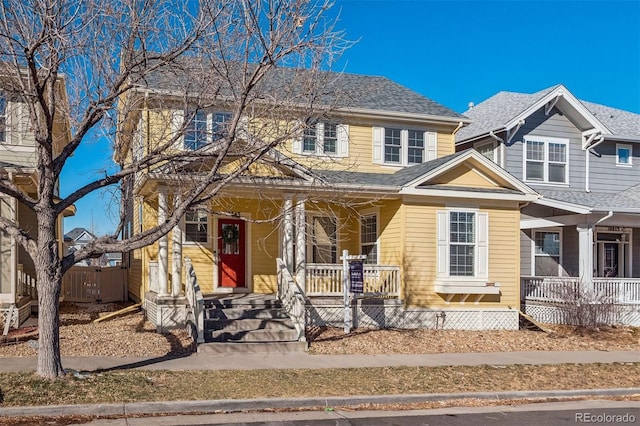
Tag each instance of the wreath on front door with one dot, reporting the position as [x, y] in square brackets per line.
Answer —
[230, 234]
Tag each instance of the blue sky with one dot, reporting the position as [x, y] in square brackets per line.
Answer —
[456, 52]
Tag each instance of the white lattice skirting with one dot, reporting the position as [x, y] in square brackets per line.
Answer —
[391, 314]
[11, 315]
[556, 314]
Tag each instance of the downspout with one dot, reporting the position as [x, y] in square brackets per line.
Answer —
[460, 124]
[586, 160]
[602, 219]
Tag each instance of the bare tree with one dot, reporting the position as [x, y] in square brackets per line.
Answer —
[110, 56]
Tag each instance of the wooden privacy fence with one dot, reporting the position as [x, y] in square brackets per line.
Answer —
[95, 285]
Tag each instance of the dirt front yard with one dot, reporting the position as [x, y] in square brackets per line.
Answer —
[131, 335]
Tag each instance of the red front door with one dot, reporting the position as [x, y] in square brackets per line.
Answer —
[231, 270]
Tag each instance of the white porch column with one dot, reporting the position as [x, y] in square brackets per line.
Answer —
[176, 264]
[301, 243]
[585, 252]
[287, 234]
[163, 242]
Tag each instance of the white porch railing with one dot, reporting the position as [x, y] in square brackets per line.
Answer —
[622, 290]
[556, 289]
[195, 317]
[94, 285]
[292, 299]
[26, 284]
[325, 279]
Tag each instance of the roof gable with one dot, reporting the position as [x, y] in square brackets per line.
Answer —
[505, 110]
[79, 234]
[470, 171]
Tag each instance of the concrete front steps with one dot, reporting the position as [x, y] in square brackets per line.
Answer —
[248, 323]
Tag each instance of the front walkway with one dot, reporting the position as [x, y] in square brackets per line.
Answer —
[203, 361]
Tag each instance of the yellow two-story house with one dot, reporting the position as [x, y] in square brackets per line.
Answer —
[375, 176]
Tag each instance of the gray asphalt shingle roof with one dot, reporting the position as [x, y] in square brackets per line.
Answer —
[495, 112]
[342, 90]
[397, 179]
[624, 201]
[76, 232]
[404, 176]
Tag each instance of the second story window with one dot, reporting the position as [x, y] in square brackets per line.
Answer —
[403, 147]
[623, 155]
[415, 150]
[546, 159]
[309, 139]
[195, 134]
[205, 127]
[392, 146]
[487, 149]
[323, 138]
[330, 138]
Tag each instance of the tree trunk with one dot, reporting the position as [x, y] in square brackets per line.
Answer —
[49, 282]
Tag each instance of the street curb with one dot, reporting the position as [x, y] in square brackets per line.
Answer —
[229, 405]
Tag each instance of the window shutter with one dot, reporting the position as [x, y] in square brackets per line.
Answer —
[482, 267]
[378, 138]
[343, 140]
[442, 225]
[432, 145]
[298, 134]
[177, 120]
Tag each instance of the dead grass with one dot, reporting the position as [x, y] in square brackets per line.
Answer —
[136, 386]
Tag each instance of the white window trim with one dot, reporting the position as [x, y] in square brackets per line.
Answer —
[481, 251]
[624, 146]
[342, 142]
[370, 212]
[546, 140]
[137, 148]
[177, 125]
[494, 147]
[183, 226]
[378, 136]
[533, 249]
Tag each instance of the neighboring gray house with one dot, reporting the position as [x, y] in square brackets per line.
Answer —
[76, 239]
[584, 159]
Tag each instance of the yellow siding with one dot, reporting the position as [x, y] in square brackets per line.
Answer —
[361, 148]
[420, 257]
[464, 176]
[391, 235]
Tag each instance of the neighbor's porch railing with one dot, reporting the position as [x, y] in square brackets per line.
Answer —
[26, 284]
[292, 298]
[325, 279]
[555, 289]
[196, 302]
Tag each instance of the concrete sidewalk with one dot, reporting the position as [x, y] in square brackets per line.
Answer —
[204, 361]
